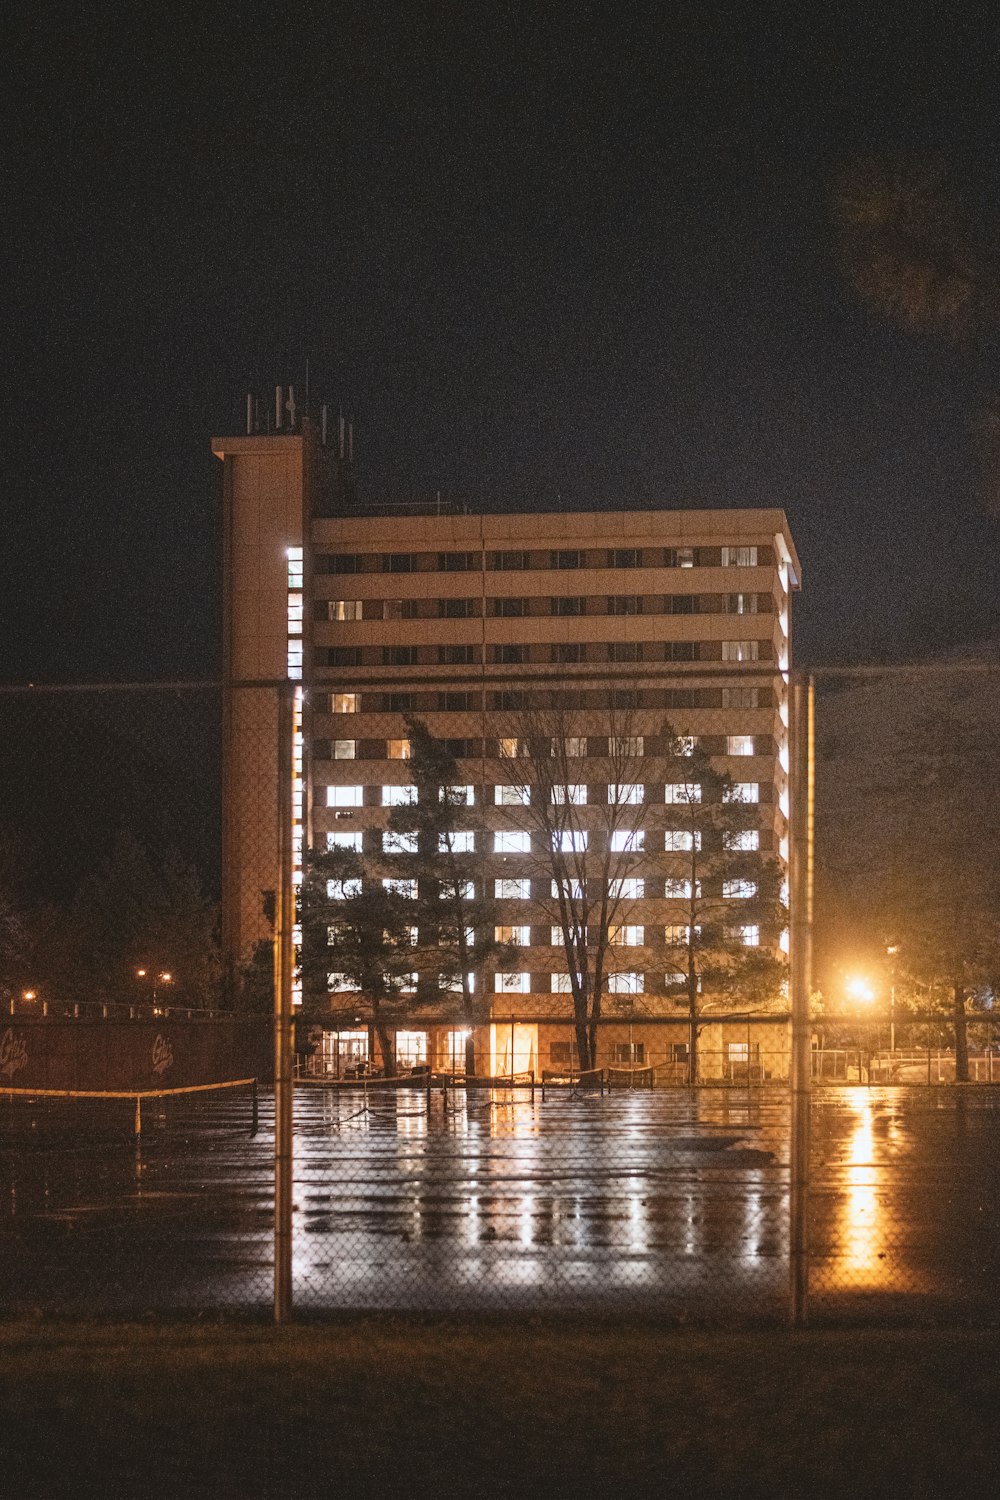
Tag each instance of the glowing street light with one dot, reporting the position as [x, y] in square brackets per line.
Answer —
[861, 989]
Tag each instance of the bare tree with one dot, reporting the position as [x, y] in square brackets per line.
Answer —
[580, 798]
[728, 895]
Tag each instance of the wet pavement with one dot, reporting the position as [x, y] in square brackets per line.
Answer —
[664, 1204]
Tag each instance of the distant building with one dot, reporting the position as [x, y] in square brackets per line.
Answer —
[466, 621]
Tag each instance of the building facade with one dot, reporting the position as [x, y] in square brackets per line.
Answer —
[612, 628]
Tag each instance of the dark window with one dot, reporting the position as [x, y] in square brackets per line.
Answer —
[568, 651]
[511, 655]
[456, 656]
[456, 609]
[628, 1054]
[506, 702]
[400, 609]
[507, 562]
[458, 703]
[624, 698]
[399, 656]
[321, 750]
[623, 604]
[458, 562]
[680, 604]
[569, 605]
[568, 559]
[339, 562]
[510, 607]
[397, 562]
[624, 557]
[399, 703]
[623, 651]
[463, 749]
[682, 651]
[343, 656]
[564, 1055]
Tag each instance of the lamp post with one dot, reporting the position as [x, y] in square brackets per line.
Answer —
[860, 989]
[892, 949]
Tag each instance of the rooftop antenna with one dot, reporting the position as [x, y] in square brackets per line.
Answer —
[324, 412]
[350, 442]
[307, 386]
[249, 413]
[340, 446]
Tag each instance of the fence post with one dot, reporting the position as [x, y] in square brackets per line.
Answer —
[800, 903]
[283, 964]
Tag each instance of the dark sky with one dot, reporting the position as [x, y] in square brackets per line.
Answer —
[540, 253]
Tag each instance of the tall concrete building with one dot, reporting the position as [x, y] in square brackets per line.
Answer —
[615, 620]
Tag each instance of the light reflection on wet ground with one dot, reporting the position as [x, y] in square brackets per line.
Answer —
[663, 1203]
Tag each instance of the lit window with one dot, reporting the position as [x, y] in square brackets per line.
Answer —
[625, 937]
[508, 749]
[405, 888]
[457, 796]
[512, 890]
[739, 890]
[399, 796]
[340, 983]
[620, 793]
[511, 842]
[739, 557]
[344, 841]
[573, 889]
[344, 796]
[625, 890]
[682, 839]
[576, 795]
[676, 979]
[295, 567]
[461, 841]
[411, 1048]
[575, 745]
[739, 744]
[678, 934]
[462, 890]
[682, 792]
[345, 749]
[343, 890]
[295, 660]
[743, 791]
[512, 796]
[750, 936]
[399, 843]
[513, 984]
[398, 749]
[521, 936]
[295, 608]
[627, 841]
[680, 890]
[570, 840]
[741, 650]
[745, 839]
[562, 984]
[625, 984]
[343, 703]
[629, 744]
[408, 983]
[344, 609]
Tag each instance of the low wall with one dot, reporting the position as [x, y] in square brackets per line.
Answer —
[137, 1056]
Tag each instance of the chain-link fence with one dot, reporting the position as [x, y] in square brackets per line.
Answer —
[541, 1048]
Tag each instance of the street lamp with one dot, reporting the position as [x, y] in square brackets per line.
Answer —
[892, 949]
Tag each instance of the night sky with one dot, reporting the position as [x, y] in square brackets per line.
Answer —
[544, 255]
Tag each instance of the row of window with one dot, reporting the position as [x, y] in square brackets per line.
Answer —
[615, 749]
[510, 653]
[566, 840]
[406, 702]
[625, 982]
[349, 611]
[520, 560]
[631, 888]
[518, 794]
[403, 794]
